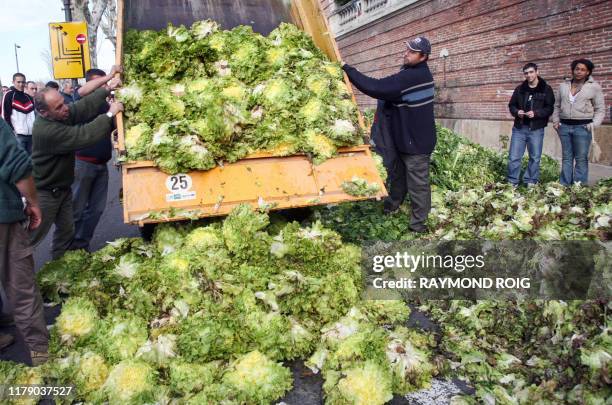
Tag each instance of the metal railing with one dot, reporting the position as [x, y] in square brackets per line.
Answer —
[358, 13]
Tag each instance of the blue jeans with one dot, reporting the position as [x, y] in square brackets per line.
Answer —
[89, 199]
[533, 140]
[575, 144]
[25, 141]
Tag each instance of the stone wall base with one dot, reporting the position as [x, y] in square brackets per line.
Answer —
[496, 134]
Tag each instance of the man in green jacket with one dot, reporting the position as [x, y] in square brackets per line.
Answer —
[20, 211]
[59, 131]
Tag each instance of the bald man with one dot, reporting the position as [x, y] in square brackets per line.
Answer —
[59, 131]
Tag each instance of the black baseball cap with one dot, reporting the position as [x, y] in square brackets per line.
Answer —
[419, 44]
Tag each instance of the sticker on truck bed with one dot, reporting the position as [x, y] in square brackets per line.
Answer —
[179, 186]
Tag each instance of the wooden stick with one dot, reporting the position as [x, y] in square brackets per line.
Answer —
[120, 138]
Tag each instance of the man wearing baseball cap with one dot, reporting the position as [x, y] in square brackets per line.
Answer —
[408, 107]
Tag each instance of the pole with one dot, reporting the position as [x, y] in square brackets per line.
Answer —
[67, 10]
[16, 58]
[68, 16]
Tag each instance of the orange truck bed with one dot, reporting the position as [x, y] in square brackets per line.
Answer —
[150, 195]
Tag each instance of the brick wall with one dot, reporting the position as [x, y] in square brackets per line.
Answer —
[488, 42]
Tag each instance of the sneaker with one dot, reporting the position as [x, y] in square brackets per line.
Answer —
[6, 340]
[38, 358]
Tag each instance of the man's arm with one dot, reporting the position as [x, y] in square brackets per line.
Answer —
[388, 88]
[16, 168]
[15, 163]
[549, 104]
[27, 189]
[599, 107]
[88, 107]
[90, 86]
[513, 103]
[557, 109]
[61, 138]
[7, 108]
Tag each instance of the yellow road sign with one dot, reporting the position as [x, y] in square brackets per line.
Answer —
[69, 49]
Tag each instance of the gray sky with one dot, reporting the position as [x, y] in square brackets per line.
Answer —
[26, 23]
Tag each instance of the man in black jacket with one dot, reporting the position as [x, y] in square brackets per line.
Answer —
[408, 109]
[532, 102]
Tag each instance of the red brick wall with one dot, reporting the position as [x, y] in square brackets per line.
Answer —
[488, 43]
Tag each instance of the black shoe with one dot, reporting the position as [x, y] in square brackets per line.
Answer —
[6, 340]
[389, 207]
[418, 229]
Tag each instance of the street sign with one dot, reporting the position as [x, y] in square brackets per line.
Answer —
[69, 49]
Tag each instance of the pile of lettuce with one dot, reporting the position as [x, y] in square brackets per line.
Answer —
[481, 205]
[511, 352]
[207, 314]
[195, 98]
[459, 163]
[527, 352]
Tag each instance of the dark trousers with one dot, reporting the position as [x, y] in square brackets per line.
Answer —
[89, 192]
[56, 209]
[410, 175]
[17, 278]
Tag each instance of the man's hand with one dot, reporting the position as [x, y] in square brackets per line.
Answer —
[114, 83]
[520, 112]
[33, 212]
[556, 126]
[115, 107]
[116, 69]
[530, 114]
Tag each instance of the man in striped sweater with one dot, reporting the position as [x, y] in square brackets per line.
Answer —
[18, 111]
[408, 108]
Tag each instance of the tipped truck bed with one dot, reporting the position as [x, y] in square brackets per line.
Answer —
[150, 195]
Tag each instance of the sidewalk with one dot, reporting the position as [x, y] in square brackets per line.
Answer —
[598, 172]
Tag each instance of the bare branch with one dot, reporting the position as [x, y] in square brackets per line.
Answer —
[91, 13]
[109, 22]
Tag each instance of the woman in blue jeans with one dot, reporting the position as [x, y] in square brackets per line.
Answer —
[579, 108]
[531, 105]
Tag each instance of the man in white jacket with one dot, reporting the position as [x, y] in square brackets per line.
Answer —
[18, 112]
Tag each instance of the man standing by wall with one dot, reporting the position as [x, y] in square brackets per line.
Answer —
[16, 260]
[91, 174]
[59, 131]
[18, 112]
[531, 104]
[409, 95]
